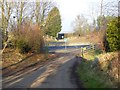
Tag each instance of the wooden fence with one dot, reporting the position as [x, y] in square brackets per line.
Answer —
[87, 48]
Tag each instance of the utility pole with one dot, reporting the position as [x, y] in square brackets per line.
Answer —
[101, 8]
[101, 13]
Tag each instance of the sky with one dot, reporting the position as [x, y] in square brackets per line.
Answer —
[69, 9]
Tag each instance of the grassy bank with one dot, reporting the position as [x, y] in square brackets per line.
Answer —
[94, 74]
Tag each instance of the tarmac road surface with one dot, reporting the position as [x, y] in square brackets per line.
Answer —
[56, 74]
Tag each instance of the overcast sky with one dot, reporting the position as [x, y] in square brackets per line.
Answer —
[69, 9]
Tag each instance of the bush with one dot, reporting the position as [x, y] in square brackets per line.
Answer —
[113, 35]
[97, 51]
[23, 46]
[28, 37]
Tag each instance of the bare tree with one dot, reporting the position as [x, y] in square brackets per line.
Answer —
[6, 10]
[15, 13]
[111, 8]
[94, 12]
[41, 10]
[80, 25]
[106, 9]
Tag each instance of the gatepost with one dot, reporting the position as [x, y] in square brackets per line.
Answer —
[65, 40]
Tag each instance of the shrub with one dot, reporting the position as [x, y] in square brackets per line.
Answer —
[28, 37]
[97, 51]
[113, 35]
[34, 36]
[23, 46]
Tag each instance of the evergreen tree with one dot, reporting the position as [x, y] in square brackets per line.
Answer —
[53, 23]
[113, 35]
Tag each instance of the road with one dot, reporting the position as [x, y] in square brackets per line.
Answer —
[56, 74]
[58, 46]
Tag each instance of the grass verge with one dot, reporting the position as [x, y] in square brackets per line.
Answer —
[93, 77]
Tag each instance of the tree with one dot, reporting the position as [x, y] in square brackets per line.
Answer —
[102, 22]
[53, 23]
[103, 25]
[40, 11]
[80, 25]
[14, 14]
[6, 11]
[111, 8]
[108, 9]
[93, 13]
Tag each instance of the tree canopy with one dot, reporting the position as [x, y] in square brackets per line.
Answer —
[53, 23]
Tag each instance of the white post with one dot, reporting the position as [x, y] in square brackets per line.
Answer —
[65, 40]
[65, 46]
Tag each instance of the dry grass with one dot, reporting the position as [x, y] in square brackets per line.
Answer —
[13, 61]
[93, 37]
[109, 63]
[104, 74]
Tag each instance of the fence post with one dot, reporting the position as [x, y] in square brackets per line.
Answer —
[82, 52]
